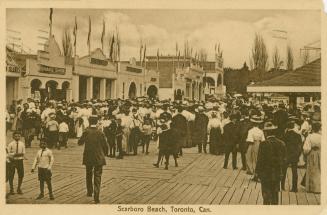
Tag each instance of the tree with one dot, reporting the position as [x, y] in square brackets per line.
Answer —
[67, 42]
[305, 57]
[259, 55]
[290, 59]
[277, 62]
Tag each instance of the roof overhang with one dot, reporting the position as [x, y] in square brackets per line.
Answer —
[283, 89]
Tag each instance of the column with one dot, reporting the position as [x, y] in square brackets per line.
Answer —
[75, 88]
[103, 89]
[114, 89]
[89, 88]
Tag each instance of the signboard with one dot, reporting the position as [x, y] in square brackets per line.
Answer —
[14, 69]
[133, 69]
[99, 62]
[52, 70]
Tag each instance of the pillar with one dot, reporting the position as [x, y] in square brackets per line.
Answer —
[114, 89]
[75, 88]
[89, 88]
[103, 89]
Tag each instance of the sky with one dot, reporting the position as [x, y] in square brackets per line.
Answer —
[159, 29]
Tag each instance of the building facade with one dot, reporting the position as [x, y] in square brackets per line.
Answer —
[185, 77]
[45, 75]
[94, 77]
[135, 80]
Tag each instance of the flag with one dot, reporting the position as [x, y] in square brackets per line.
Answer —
[144, 54]
[75, 32]
[51, 12]
[158, 59]
[103, 34]
[118, 48]
[141, 48]
[89, 35]
[50, 17]
[112, 46]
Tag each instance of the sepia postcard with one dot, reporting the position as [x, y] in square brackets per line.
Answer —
[163, 107]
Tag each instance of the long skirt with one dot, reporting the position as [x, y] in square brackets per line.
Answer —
[313, 173]
[189, 133]
[251, 156]
[214, 140]
[125, 140]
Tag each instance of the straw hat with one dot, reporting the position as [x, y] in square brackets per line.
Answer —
[269, 126]
[256, 119]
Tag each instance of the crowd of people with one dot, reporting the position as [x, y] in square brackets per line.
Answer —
[268, 136]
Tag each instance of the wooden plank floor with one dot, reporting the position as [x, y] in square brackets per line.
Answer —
[199, 179]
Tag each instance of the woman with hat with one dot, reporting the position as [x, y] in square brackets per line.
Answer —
[254, 138]
[312, 148]
[271, 158]
[166, 144]
[215, 131]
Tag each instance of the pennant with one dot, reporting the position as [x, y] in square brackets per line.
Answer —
[51, 12]
[75, 32]
[144, 53]
[141, 48]
[89, 35]
[103, 34]
[112, 46]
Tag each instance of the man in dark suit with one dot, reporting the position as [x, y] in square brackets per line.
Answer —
[280, 119]
[293, 142]
[179, 127]
[271, 157]
[93, 157]
[231, 138]
[200, 130]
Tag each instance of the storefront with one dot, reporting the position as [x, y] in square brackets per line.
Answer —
[46, 75]
[132, 80]
[94, 77]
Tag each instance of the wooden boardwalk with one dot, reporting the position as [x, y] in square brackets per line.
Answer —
[199, 179]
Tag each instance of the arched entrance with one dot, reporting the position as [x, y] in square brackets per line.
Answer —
[65, 86]
[132, 90]
[152, 91]
[35, 89]
[51, 87]
[178, 94]
[210, 82]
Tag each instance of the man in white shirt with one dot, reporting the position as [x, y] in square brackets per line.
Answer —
[16, 152]
[44, 160]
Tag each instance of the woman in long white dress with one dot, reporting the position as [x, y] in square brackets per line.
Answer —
[312, 147]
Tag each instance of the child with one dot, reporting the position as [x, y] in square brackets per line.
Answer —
[44, 160]
[63, 134]
[110, 132]
[52, 128]
[16, 152]
[146, 137]
[119, 139]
